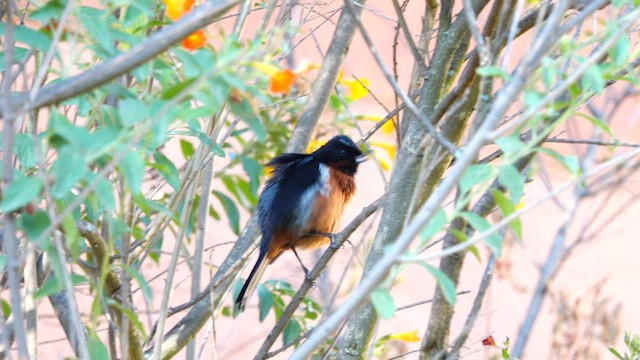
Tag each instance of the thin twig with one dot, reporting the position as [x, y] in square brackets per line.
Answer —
[487, 275]
[593, 142]
[396, 87]
[173, 263]
[10, 241]
[483, 49]
[418, 58]
[404, 307]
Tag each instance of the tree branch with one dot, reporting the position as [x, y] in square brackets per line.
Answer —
[127, 61]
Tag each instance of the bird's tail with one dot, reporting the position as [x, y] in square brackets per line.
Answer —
[252, 282]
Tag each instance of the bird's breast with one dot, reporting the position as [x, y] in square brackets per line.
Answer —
[328, 206]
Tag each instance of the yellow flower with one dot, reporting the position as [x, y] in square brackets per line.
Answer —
[177, 8]
[265, 67]
[390, 148]
[315, 145]
[383, 158]
[388, 127]
[358, 89]
[409, 336]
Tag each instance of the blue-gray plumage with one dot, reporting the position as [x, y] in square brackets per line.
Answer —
[305, 196]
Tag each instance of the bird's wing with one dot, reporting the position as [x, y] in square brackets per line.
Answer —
[280, 205]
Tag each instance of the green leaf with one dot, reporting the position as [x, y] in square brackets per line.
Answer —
[475, 252]
[24, 148]
[133, 111]
[231, 209]
[549, 73]
[620, 51]
[34, 225]
[151, 206]
[54, 285]
[132, 168]
[21, 191]
[616, 353]
[473, 175]
[231, 184]
[480, 224]
[244, 111]
[510, 145]
[147, 292]
[104, 193]
[433, 226]
[61, 131]
[569, 162]
[190, 63]
[254, 170]
[383, 303]
[248, 196]
[98, 22]
[532, 98]
[72, 236]
[167, 169]
[291, 332]
[176, 89]
[69, 168]
[19, 55]
[35, 39]
[187, 149]
[131, 315]
[265, 301]
[511, 179]
[3, 262]
[103, 141]
[508, 208]
[593, 79]
[493, 71]
[445, 283]
[598, 123]
[50, 10]
[97, 349]
[6, 308]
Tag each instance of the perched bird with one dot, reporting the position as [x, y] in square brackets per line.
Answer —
[302, 203]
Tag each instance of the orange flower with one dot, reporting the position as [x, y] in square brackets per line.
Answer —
[489, 341]
[282, 81]
[195, 41]
[177, 8]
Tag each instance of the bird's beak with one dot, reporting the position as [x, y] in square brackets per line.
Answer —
[362, 158]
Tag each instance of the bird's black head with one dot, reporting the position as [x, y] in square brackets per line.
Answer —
[341, 153]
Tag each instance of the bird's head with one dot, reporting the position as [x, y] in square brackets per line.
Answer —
[341, 153]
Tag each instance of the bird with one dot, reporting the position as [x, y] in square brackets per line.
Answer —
[302, 203]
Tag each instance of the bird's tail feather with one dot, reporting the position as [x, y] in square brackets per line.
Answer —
[252, 282]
